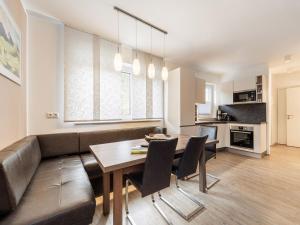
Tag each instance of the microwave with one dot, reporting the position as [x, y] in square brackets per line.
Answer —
[244, 96]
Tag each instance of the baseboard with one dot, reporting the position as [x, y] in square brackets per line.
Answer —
[221, 149]
[245, 153]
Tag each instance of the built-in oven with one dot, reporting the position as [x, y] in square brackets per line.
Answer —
[244, 96]
[242, 136]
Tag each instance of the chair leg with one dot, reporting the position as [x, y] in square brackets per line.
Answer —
[176, 209]
[128, 217]
[160, 211]
[192, 176]
[207, 175]
[216, 180]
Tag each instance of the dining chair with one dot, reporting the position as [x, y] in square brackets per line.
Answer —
[185, 166]
[156, 174]
[210, 149]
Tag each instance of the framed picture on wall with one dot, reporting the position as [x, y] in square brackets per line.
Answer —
[10, 46]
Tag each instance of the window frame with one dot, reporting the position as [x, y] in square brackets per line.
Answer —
[130, 118]
[213, 101]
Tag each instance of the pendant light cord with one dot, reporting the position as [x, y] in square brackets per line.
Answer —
[151, 44]
[136, 27]
[118, 33]
[164, 50]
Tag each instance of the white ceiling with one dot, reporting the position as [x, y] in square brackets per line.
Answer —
[217, 36]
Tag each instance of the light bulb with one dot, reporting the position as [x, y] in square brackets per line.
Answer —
[151, 71]
[136, 68]
[164, 73]
[118, 62]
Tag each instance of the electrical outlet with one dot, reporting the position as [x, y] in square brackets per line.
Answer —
[52, 115]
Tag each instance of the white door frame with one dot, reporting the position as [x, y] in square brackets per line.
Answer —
[277, 119]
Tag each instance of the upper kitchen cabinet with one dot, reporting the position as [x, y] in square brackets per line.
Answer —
[200, 91]
[225, 96]
[245, 83]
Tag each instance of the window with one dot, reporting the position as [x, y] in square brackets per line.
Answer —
[95, 91]
[208, 107]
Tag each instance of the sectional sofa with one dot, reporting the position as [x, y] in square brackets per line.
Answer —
[53, 178]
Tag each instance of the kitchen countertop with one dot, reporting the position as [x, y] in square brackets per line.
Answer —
[203, 122]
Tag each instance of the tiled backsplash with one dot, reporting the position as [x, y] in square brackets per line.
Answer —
[247, 113]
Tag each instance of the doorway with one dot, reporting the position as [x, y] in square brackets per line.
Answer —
[289, 116]
[293, 116]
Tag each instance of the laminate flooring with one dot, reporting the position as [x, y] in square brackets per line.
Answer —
[251, 192]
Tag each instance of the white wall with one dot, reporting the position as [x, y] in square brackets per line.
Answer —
[46, 80]
[13, 96]
[281, 81]
[187, 97]
[255, 70]
[45, 73]
[172, 101]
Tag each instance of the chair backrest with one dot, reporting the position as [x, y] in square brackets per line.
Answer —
[210, 131]
[189, 161]
[158, 165]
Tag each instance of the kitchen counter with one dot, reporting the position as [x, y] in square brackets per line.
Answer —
[205, 122]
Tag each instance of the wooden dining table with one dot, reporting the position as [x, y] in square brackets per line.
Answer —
[116, 158]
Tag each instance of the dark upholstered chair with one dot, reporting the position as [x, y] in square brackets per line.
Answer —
[210, 149]
[156, 175]
[185, 166]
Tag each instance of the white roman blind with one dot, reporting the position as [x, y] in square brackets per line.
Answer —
[157, 91]
[139, 90]
[95, 91]
[78, 80]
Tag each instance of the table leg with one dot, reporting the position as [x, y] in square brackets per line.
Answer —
[118, 187]
[106, 193]
[202, 173]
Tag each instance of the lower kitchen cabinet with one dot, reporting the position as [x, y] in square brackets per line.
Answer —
[223, 134]
[259, 136]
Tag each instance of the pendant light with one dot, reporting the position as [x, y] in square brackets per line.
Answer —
[151, 67]
[136, 67]
[164, 71]
[118, 62]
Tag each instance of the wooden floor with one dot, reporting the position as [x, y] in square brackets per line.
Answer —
[251, 192]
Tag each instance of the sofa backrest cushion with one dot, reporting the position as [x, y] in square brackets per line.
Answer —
[18, 163]
[53, 145]
[107, 136]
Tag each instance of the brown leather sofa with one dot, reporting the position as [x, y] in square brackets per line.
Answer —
[53, 179]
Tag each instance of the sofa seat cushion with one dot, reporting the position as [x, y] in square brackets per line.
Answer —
[91, 165]
[60, 193]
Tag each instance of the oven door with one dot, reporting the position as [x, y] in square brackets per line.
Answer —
[242, 139]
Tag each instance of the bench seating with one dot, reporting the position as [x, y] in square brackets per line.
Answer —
[53, 179]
